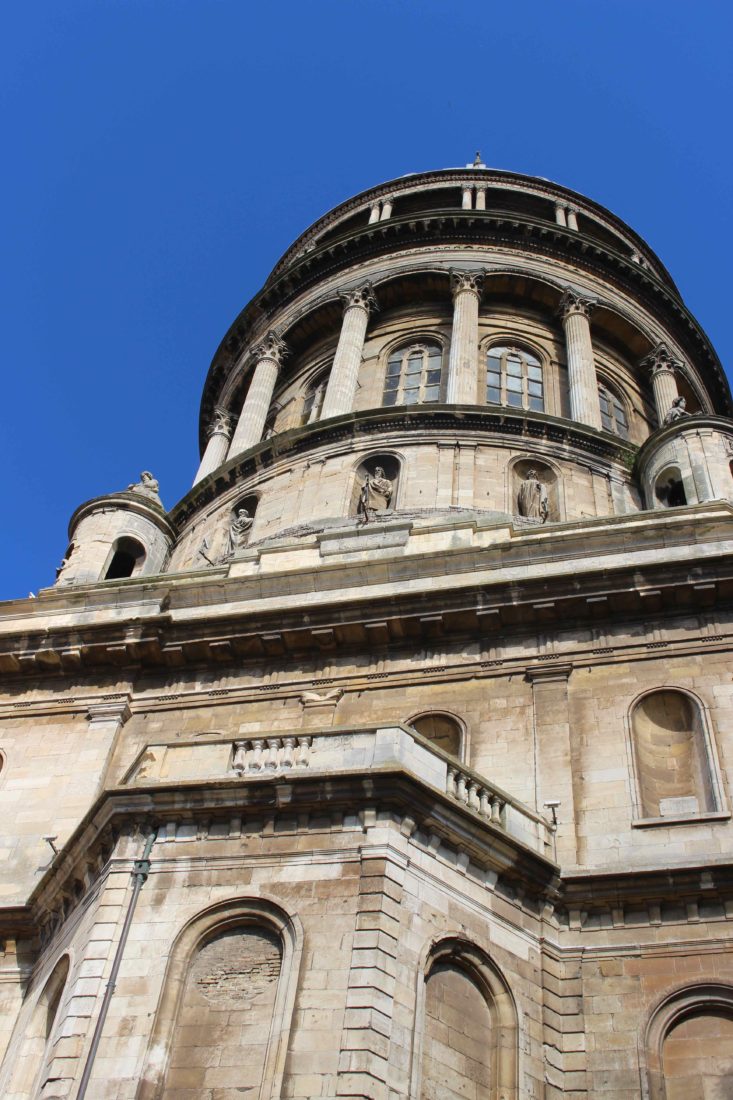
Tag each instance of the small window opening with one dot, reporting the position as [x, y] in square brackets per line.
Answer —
[670, 489]
[127, 559]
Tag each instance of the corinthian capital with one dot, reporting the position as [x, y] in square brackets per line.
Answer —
[573, 301]
[466, 280]
[221, 422]
[660, 359]
[271, 347]
[362, 296]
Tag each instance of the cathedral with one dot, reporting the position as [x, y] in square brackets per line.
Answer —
[395, 760]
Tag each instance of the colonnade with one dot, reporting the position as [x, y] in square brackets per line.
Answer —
[463, 375]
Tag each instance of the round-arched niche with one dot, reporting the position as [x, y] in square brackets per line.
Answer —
[535, 492]
[374, 492]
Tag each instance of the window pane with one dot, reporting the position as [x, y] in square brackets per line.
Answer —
[410, 397]
[494, 362]
[513, 366]
[514, 399]
[493, 395]
[537, 404]
[391, 384]
[414, 364]
[606, 421]
[535, 373]
[432, 393]
[531, 361]
[394, 367]
[433, 377]
[534, 388]
[390, 398]
[514, 384]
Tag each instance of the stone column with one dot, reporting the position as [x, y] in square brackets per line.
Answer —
[560, 216]
[374, 213]
[467, 198]
[269, 355]
[463, 359]
[480, 198]
[220, 433]
[342, 380]
[572, 218]
[661, 366]
[386, 209]
[575, 310]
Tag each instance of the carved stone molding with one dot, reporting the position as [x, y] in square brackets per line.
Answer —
[466, 281]
[328, 699]
[271, 347]
[361, 296]
[574, 302]
[660, 359]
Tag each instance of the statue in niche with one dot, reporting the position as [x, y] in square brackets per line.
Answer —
[532, 502]
[677, 411]
[239, 531]
[375, 496]
[147, 485]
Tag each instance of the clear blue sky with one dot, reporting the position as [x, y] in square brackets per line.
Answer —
[161, 154]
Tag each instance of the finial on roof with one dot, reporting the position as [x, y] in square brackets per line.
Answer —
[477, 162]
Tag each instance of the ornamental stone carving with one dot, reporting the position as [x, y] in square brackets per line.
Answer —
[221, 423]
[532, 499]
[271, 347]
[375, 496]
[362, 297]
[677, 411]
[146, 486]
[470, 281]
[573, 301]
[660, 359]
[239, 530]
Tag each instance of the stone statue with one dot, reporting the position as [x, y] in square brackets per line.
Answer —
[532, 498]
[147, 485]
[677, 411]
[375, 496]
[239, 531]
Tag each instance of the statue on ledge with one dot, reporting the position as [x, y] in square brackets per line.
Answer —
[375, 496]
[532, 500]
[677, 411]
[147, 485]
[239, 531]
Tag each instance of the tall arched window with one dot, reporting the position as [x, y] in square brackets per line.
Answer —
[314, 396]
[514, 378]
[414, 375]
[674, 772]
[613, 412]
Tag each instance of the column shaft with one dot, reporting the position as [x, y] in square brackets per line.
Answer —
[344, 374]
[582, 382]
[463, 359]
[259, 395]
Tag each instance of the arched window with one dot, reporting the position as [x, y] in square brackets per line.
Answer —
[466, 1027]
[414, 375]
[127, 558]
[443, 730]
[314, 396]
[613, 412]
[672, 756]
[514, 378]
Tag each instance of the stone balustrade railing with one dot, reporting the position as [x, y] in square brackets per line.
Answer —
[259, 757]
[262, 754]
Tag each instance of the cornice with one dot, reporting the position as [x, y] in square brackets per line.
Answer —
[588, 575]
[125, 501]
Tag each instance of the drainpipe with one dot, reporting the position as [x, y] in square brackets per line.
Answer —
[140, 871]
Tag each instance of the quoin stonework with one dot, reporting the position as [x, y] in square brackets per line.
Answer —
[394, 760]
